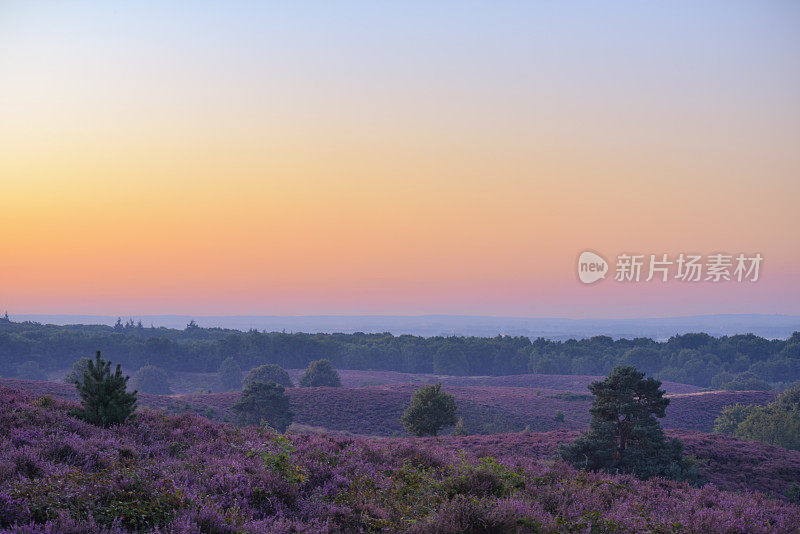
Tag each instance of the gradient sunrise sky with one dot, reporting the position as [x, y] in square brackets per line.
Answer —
[394, 158]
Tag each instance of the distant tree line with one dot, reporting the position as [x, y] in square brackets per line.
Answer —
[742, 361]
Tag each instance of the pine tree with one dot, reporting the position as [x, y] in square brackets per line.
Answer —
[624, 435]
[264, 402]
[430, 410]
[104, 399]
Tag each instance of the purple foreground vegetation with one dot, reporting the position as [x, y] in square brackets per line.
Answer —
[188, 474]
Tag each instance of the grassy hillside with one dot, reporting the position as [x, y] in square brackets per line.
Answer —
[188, 474]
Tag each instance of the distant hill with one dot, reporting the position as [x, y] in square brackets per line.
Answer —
[659, 328]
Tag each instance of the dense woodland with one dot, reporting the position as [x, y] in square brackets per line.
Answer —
[736, 362]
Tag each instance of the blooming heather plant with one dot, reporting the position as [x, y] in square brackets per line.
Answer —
[185, 474]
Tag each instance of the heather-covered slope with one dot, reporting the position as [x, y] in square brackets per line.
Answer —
[726, 462]
[376, 410]
[353, 378]
[487, 410]
[187, 474]
[188, 382]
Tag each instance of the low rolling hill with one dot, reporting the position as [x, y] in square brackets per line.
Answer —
[185, 382]
[376, 410]
[728, 463]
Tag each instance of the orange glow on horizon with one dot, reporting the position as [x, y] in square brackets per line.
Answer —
[143, 178]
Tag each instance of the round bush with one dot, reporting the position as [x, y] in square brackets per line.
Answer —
[320, 373]
[267, 373]
[152, 379]
[230, 375]
[79, 368]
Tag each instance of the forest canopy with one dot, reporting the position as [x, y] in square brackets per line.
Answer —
[698, 359]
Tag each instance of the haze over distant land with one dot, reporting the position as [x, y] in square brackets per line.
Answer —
[769, 326]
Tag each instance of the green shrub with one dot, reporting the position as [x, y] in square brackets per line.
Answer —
[79, 368]
[777, 423]
[281, 461]
[269, 373]
[431, 409]
[320, 373]
[488, 478]
[153, 380]
[747, 381]
[459, 429]
[731, 416]
[230, 375]
[264, 403]
[45, 401]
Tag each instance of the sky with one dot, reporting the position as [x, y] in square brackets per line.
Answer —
[224, 158]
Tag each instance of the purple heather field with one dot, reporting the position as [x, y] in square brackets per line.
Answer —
[186, 473]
